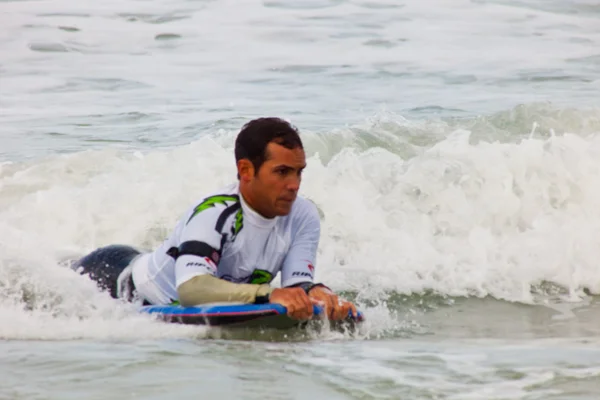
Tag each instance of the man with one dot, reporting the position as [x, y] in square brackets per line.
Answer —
[230, 245]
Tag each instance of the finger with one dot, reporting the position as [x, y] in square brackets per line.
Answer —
[293, 305]
[345, 310]
[303, 305]
[339, 309]
[321, 306]
[317, 302]
[328, 309]
[307, 304]
[291, 308]
[333, 304]
[301, 309]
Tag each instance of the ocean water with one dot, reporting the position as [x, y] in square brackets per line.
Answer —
[452, 148]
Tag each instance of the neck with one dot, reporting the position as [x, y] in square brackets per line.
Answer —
[251, 201]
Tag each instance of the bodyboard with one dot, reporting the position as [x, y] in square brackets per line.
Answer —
[245, 315]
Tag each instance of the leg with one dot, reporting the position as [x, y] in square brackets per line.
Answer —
[105, 264]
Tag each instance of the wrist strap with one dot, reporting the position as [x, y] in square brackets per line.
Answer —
[262, 299]
[308, 286]
[263, 294]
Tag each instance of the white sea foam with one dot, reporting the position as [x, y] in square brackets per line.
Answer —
[457, 217]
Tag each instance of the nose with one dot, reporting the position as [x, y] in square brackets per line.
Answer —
[293, 183]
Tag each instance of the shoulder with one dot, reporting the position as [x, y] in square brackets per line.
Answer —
[305, 211]
[215, 203]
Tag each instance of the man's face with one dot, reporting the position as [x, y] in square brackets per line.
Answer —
[275, 186]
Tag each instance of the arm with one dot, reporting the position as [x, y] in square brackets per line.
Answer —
[197, 261]
[207, 288]
[298, 268]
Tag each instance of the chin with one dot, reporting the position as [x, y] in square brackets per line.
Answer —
[283, 211]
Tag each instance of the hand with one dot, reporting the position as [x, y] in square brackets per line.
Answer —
[298, 304]
[335, 308]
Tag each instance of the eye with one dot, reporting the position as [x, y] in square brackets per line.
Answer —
[281, 171]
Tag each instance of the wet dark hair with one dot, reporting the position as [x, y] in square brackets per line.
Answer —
[252, 141]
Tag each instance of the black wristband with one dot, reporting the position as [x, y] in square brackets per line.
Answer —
[262, 299]
[308, 286]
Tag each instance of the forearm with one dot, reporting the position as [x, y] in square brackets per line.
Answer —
[204, 289]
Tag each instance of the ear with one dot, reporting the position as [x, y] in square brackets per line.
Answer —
[245, 170]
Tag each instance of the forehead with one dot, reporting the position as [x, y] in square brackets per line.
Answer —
[277, 154]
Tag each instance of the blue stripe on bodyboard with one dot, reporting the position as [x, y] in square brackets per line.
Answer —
[214, 310]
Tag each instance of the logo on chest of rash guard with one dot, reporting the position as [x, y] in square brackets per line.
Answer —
[258, 277]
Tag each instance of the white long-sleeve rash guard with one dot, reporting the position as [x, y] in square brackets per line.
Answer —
[222, 237]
